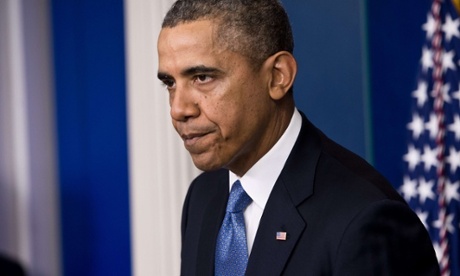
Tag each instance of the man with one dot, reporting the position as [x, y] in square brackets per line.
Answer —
[314, 207]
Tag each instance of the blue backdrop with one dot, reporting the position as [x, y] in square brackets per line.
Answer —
[92, 135]
[330, 86]
[358, 66]
[395, 46]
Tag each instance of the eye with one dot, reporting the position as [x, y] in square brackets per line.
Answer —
[169, 83]
[201, 79]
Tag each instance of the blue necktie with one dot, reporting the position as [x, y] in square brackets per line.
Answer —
[231, 249]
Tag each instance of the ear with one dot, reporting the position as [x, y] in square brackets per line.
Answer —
[283, 72]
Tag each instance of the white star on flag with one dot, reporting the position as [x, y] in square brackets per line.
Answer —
[432, 125]
[427, 59]
[429, 26]
[416, 126]
[429, 157]
[444, 93]
[412, 157]
[453, 159]
[425, 190]
[450, 28]
[448, 61]
[456, 94]
[455, 127]
[423, 216]
[409, 188]
[452, 191]
[421, 93]
[449, 221]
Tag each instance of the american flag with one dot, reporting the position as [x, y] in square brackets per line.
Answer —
[431, 184]
[281, 236]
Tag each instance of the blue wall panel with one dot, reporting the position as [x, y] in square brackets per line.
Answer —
[91, 119]
[338, 45]
[330, 85]
[395, 41]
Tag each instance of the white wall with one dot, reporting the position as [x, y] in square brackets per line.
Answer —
[28, 193]
[160, 168]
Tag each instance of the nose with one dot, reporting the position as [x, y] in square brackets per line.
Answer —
[183, 104]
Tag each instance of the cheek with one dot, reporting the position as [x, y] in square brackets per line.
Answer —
[235, 124]
[227, 118]
[219, 106]
[233, 108]
[174, 123]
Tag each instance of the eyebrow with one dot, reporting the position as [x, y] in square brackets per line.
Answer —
[163, 76]
[200, 69]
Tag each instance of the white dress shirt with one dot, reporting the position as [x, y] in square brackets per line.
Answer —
[258, 182]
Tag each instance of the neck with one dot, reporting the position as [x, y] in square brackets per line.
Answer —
[276, 129]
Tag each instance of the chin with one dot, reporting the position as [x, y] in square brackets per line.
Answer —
[206, 165]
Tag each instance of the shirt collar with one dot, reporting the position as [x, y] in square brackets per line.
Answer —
[258, 182]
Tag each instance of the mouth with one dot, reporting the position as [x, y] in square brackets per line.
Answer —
[191, 140]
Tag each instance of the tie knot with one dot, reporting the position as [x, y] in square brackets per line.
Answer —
[238, 199]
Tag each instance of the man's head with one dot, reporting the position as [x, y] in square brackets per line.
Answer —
[254, 28]
[228, 110]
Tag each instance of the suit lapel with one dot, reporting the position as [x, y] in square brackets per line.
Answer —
[213, 217]
[294, 185]
[269, 255]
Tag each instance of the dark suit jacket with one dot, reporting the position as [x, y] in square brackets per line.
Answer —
[340, 215]
[9, 267]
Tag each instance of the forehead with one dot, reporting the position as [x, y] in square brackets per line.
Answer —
[188, 42]
[198, 32]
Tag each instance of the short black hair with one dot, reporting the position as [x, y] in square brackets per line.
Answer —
[254, 28]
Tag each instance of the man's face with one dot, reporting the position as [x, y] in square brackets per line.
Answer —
[220, 105]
